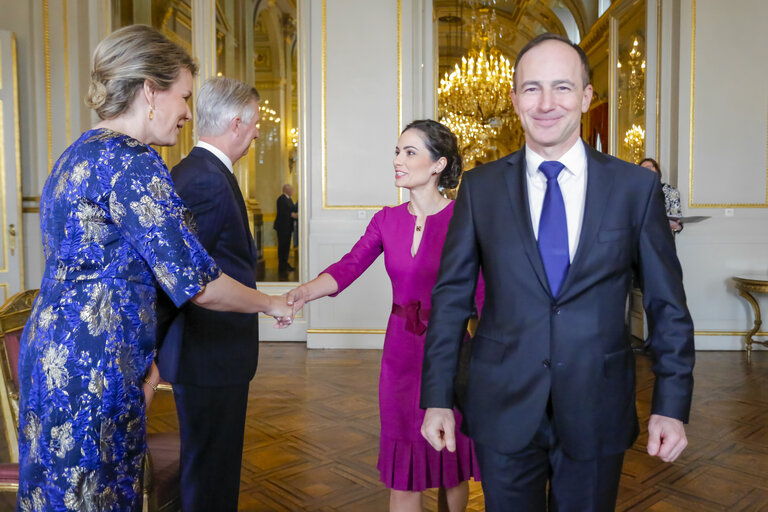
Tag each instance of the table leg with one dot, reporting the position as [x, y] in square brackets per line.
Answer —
[758, 322]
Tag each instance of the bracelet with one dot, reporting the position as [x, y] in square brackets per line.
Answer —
[153, 386]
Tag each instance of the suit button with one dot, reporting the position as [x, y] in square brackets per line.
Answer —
[555, 310]
[547, 363]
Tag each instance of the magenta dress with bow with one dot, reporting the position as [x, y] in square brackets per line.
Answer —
[406, 461]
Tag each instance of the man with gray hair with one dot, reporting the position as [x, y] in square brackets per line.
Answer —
[210, 357]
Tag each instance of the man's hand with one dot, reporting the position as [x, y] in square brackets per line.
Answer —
[666, 437]
[281, 311]
[439, 429]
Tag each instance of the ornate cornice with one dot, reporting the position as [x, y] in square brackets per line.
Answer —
[598, 32]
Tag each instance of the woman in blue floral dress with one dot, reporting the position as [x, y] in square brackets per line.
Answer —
[113, 230]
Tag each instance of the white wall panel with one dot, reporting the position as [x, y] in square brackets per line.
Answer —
[728, 131]
[730, 107]
[363, 80]
[360, 309]
[361, 100]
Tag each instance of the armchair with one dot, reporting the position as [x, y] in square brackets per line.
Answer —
[13, 316]
[161, 465]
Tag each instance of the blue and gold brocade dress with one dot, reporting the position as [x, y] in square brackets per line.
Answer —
[113, 230]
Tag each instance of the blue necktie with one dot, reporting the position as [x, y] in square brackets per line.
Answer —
[553, 229]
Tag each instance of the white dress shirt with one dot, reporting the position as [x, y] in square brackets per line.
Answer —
[219, 154]
[573, 185]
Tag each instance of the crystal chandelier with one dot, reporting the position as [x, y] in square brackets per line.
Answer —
[474, 99]
[269, 125]
[473, 137]
[634, 140]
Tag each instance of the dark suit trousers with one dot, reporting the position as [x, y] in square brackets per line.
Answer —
[283, 249]
[518, 482]
[212, 426]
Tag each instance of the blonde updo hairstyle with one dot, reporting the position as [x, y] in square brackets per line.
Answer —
[125, 59]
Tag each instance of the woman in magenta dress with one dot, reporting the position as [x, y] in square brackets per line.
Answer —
[411, 236]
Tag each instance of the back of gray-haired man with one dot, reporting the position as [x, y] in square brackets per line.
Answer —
[210, 357]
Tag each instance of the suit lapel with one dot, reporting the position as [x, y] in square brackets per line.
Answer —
[599, 183]
[518, 194]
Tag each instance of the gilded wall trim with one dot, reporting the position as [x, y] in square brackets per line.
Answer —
[3, 217]
[47, 61]
[599, 31]
[324, 118]
[17, 148]
[67, 97]
[29, 204]
[346, 331]
[658, 79]
[727, 333]
[691, 202]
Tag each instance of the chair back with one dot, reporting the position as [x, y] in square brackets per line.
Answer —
[13, 316]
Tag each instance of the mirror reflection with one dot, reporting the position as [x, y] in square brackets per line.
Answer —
[255, 43]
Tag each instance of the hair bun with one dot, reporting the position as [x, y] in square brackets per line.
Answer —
[97, 94]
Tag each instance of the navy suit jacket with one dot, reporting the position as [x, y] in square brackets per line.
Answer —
[203, 347]
[574, 347]
[283, 221]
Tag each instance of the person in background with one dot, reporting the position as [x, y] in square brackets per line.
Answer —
[209, 356]
[411, 237]
[113, 231]
[284, 217]
[671, 196]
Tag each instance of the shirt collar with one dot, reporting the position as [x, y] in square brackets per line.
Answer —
[574, 160]
[218, 153]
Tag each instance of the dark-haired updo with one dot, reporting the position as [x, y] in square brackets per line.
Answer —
[440, 142]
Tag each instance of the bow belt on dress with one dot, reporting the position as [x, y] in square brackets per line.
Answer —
[416, 318]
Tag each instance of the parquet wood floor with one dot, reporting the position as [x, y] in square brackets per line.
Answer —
[312, 437]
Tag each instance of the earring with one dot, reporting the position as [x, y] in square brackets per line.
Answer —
[151, 112]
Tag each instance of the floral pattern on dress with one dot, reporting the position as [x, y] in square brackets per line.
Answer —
[113, 231]
[672, 200]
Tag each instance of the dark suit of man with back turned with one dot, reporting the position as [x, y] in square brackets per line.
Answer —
[285, 213]
[210, 357]
[558, 230]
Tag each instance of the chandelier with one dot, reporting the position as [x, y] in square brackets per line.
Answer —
[634, 140]
[474, 138]
[269, 130]
[474, 99]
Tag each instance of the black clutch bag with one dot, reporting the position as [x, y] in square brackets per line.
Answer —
[462, 369]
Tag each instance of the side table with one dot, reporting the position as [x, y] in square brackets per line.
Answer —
[747, 285]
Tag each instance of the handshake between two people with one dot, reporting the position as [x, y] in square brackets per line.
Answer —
[284, 307]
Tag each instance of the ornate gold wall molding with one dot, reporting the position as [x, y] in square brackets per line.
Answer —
[598, 33]
[658, 79]
[346, 331]
[17, 148]
[67, 97]
[727, 333]
[3, 217]
[47, 63]
[30, 204]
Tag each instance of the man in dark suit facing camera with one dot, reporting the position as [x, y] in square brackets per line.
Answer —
[558, 230]
[210, 357]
